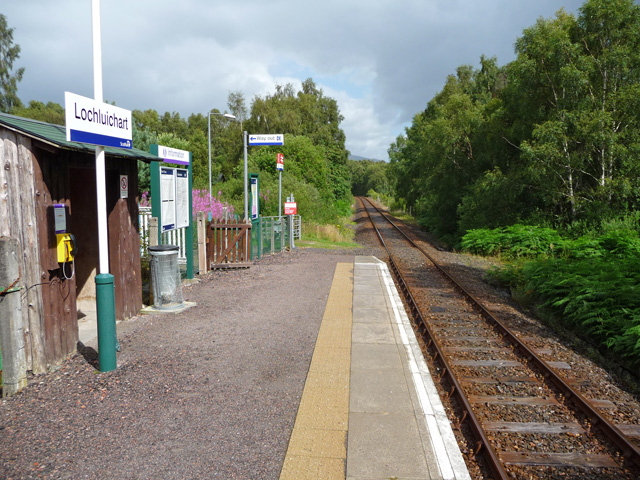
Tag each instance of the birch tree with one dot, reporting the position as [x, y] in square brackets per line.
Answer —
[9, 53]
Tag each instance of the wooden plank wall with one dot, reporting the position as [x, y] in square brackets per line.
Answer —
[34, 177]
[58, 293]
[228, 244]
[18, 220]
[124, 241]
[123, 226]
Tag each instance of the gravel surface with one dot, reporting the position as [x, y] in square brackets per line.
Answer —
[211, 392]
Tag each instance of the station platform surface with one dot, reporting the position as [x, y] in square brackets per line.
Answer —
[369, 409]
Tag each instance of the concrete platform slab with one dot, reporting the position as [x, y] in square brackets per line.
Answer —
[368, 299]
[374, 357]
[370, 315]
[372, 333]
[379, 391]
[369, 409]
[385, 446]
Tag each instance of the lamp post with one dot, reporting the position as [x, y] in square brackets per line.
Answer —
[225, 115]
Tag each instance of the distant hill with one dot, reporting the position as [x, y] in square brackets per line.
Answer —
[358, 157]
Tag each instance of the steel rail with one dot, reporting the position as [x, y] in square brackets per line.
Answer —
[630, 451]
[483, 442]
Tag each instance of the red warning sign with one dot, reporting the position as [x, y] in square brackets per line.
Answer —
[290, 208]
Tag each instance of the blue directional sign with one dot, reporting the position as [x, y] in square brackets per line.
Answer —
[271, 139]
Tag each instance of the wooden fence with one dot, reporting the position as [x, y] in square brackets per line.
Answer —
[228, 244]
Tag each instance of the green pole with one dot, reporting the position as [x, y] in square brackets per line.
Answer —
[105, 304]
[189, 232]
[156, 204]
[259, 237]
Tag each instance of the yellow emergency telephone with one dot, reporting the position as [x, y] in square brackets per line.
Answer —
[66, 247]
[65, 242]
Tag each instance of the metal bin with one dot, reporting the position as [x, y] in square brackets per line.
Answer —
[166, 284]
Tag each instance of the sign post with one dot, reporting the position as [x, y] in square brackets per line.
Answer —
[246, 179]
[291, 209]
[94, 127]
[254, 216]
[280, 168]
[256, 140]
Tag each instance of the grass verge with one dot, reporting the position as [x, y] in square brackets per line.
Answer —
[333, 236]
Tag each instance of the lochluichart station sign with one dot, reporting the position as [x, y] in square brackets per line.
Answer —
[97, 123]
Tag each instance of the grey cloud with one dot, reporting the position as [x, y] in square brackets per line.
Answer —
[186, 56]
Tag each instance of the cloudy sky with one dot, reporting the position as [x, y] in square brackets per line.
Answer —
[382, 60]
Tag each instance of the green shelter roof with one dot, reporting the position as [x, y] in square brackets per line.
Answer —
[56, 135]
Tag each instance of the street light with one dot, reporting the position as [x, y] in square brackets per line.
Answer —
[225, 115]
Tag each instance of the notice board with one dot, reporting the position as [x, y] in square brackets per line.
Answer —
[168, 198]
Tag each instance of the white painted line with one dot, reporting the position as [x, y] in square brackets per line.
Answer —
[450, 460]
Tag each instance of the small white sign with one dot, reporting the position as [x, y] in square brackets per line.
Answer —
[272, 139]
[88, 121]
[173, 155]
[124, 186]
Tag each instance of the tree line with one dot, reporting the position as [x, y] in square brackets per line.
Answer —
[548, 139]
[315, 155]
[316, 169]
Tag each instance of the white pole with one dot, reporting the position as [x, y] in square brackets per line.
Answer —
[105, 288]
[280, 194]
[101, 190]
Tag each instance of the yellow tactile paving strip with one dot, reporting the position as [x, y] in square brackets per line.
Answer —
[318, 444]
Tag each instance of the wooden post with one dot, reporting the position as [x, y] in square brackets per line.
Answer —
[153, 231]
[202, 242]
[14, 362]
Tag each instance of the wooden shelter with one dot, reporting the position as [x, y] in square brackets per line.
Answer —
[40, 168]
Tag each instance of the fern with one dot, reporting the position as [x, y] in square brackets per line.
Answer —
[592, 283]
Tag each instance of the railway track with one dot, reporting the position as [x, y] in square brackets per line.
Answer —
[527, 415]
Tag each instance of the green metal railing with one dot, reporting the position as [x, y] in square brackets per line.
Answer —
[272, 234]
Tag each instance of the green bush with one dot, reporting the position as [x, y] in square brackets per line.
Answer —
[598, 296]
[513, 242]
[592, 283]
[482, 241]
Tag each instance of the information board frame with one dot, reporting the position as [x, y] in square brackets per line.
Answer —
[182, 158]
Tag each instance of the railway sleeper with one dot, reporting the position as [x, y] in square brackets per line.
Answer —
[573, 460]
